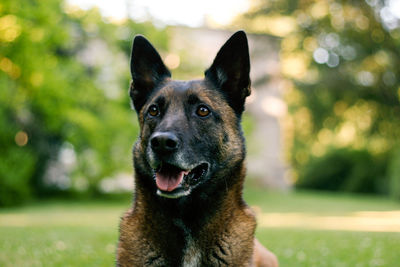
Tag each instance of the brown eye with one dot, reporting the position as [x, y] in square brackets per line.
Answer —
[202, 111]
[153, 110]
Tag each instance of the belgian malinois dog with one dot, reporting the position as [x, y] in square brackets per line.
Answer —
[188, 208]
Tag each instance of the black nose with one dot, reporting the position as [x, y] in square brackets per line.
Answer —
[164, 142]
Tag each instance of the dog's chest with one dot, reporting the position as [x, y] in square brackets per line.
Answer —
[213, 254]
[191, 254]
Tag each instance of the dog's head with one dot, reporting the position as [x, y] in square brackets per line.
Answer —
[190, 132]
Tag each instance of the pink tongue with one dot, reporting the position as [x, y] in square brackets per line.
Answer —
[168, 181]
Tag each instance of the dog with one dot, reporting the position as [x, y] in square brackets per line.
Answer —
[188, 208]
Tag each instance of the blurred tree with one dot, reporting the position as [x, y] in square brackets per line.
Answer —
[341, 60]
[65, 121]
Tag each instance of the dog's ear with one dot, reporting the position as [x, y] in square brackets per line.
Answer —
[230, 71]
[147, 70]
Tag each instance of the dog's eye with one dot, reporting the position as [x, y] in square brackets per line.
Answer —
[153, 110]
[202, 111]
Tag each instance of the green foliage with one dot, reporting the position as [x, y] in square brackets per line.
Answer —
[394, 175]
[344, 170]
[14, 182]
[64, 76]
[340, 59]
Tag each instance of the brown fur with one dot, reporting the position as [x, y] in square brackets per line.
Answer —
[229, 236]
[212, 226]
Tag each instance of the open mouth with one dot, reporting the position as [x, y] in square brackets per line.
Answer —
[174, 182]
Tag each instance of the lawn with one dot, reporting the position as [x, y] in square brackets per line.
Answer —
[302, 228]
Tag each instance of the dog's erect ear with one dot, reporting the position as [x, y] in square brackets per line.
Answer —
[147, 70]
[230, 71]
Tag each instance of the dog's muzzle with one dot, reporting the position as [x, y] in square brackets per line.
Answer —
[174, 176]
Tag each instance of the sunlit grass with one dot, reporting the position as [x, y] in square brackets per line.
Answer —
[364, 221]
[57, 246]
[65, 214]
[60, 234]
[315, 202]
[85, 233]
[310, 248]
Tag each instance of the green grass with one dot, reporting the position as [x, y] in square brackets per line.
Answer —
[85, 233]
[57, 246]
[315, 201]
[308, 248]
[60, 234]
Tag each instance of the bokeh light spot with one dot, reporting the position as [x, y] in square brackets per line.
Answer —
[21, 138]
[9, 28]
[333, 60]
[365, 78]
[320, 55]
[172, 61]
[10, 68]
[274, 106]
